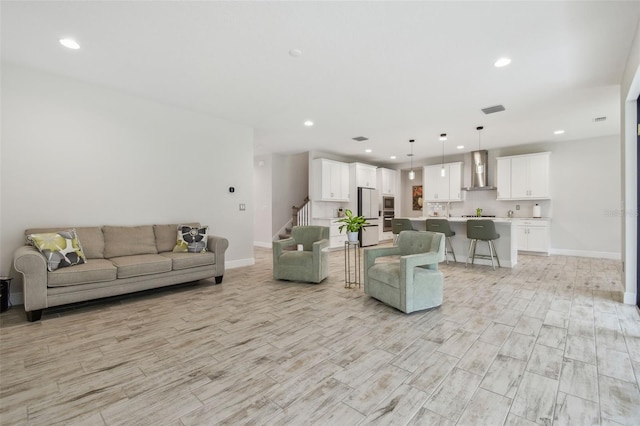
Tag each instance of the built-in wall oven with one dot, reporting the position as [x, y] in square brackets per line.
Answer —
[388, 203]
[388, 213]
[387, 219]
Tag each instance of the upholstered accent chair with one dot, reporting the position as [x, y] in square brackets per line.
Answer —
[411, 281]
[311, 264]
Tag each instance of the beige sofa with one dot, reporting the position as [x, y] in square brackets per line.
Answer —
[120, 260]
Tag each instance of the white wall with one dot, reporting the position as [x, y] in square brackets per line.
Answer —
[263, 166]
[629, 91]
[79, 154]
[585, 195]
[406, 193]
[281, 181]
[290, 186]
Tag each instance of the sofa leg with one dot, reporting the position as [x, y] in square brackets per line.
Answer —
[219, 279]
[34, 315]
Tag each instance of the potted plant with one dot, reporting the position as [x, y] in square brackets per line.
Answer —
[352, 223]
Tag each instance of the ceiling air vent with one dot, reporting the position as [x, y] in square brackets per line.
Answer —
[599, 119]
[360, 138]
[491, 110]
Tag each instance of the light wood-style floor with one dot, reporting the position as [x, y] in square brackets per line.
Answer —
[548, 342]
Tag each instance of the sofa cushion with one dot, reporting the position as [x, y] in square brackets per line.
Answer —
[60, 249]
[90, 238]
[190, 260]
[191, 239]
[128, 241]
[166, 235]
[97, 270]
[142, 264]
[386, 272]
[298, 259]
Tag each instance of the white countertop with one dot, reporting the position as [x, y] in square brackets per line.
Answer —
[464, 219]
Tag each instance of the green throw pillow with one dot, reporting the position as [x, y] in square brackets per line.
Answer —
[60, 248]
[191, 239]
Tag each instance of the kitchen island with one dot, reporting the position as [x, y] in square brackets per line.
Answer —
[506, 245]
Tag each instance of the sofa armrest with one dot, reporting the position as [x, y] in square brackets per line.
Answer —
[371, 254]
[428, 260]
[279, 245]
[319, 245]
[218, 245]
[28, 261]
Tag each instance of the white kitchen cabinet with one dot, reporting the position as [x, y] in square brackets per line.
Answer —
[438, 188]
[455, 181]
[387, 181]
[363, 175]
[503, 178]
[336, 239]
[330, 180]
[523, 177]
[533, 235]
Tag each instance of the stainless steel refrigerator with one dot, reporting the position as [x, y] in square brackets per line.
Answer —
[368, 207]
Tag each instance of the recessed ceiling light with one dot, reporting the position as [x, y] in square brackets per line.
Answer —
[308, 123]
[295, 53]
[502, 62]
[367, 150]
[460, 146]
[393, 157]
[558, 132]
[70, 43]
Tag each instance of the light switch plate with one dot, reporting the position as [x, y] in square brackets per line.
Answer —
[242, 207]
[517, 206]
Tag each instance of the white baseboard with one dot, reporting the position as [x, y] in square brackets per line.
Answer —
[629, 298]
[587, 253]
[262, 244]
[231, 264]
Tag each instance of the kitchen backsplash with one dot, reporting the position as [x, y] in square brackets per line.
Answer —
[326, 209]
[486, 200]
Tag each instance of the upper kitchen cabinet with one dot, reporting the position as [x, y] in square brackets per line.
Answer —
[330, 180]
[363, 175]
[387, 181]
[523, 177]
[438, 188]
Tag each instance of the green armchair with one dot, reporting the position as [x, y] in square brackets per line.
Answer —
[311, 264]
[412, 282]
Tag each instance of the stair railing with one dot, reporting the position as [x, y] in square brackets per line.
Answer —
[301, 216]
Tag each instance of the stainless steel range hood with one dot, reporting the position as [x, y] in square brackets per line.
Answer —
[479, 172]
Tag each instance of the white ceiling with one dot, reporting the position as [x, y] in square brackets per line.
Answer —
[388, 70]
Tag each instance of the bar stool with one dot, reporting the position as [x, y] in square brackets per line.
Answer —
[442, 226]
[483, 230]
[399, 225]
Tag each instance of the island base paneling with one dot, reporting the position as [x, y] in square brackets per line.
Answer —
[506, 245]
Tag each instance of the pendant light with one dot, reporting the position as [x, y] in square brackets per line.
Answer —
[479, 166]
[412, 174]
[443, 137]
